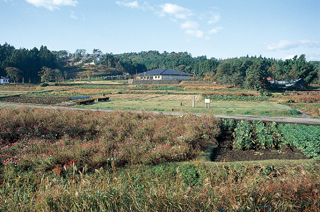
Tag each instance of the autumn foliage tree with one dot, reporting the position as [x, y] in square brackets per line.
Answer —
[89, 74]
[13, 73]
[45, 74]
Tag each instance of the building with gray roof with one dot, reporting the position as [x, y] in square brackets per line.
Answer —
[163, 74]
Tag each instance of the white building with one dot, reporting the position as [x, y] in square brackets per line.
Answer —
[163, 74]
[4, 80]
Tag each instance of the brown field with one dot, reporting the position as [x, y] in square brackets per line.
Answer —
[83, 91]
[18, 87]
[12, 92]
[37, 100]
[154, 97]
[200, 83]
[235, 93]
[206, 87]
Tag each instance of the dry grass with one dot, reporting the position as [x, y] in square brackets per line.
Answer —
[206, 87]
[232, 93]
[13, 92]
[105, 82]
[191, 186]
[22, 87]
[84, 91]
[200, 83]
[153, 97]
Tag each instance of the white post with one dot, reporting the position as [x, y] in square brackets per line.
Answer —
[207, 103]
[193, 102]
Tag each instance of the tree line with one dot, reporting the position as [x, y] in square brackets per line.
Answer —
[28, 62]
[250, 72]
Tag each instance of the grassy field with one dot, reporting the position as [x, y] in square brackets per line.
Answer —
[177, 98]
[104, 82]
[219, 107]
[311, 108]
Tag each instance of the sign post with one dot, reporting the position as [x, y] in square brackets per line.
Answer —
[207, 103]
[193, 102]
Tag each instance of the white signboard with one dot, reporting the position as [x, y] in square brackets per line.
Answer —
[207, 101]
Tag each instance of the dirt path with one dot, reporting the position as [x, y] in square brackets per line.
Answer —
[304, 114]
[284, 120]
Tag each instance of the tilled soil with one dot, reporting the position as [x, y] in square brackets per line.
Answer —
[36, 100]
[225, 153]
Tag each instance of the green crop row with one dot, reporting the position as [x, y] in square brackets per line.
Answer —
[259, 135]
[305, 138]
[237, 98]
[156, 87]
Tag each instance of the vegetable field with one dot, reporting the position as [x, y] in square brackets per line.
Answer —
[259, 136]
[305, 138]
[237, 98]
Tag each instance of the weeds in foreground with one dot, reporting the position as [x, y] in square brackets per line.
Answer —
[90, 161]
[166, 187]
[43, 139]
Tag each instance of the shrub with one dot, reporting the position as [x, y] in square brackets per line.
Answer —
[45, 138]
[290, 101]
[44, 84]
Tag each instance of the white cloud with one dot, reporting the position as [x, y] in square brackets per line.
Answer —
[215, 17]
[289, 57]
[189, 25]
[215, 30]
[175, 10]
[285, 45]
[133, 4]
[313, 56]
[180, 15]
[146, 6]
[191, 28]
[52, 4]
[195, 33]
[73, 16]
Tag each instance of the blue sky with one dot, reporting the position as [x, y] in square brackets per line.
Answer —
[215, 28]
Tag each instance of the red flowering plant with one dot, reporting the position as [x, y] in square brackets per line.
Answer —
[57, 137]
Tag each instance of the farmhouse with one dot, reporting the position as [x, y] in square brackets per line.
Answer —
[163, 74]
[298, 84]
[70, 62]
[95, 58]
[4, 80]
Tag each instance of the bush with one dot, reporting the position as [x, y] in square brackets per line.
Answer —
[46, 138]
[290, 101]
[44, 84]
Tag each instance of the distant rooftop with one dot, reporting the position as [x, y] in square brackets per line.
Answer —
[164, 71]
[285, 83]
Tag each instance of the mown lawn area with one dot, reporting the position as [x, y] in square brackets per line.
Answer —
[216, 107]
